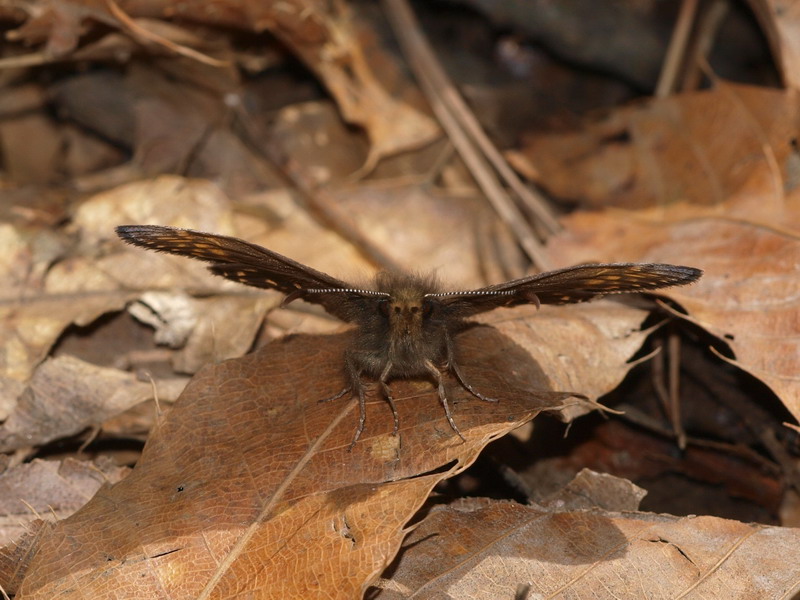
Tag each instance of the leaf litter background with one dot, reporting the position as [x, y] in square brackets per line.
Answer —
[298, 127]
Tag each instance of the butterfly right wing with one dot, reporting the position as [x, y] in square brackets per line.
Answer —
[253, 265]
[573, 284]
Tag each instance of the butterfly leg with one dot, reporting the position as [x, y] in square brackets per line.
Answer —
[337, 395]
[437, 375]
[355, 377]
[453, 366]
[388, 393]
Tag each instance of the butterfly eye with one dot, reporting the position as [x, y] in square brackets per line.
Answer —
[427, 308]
[383, 307]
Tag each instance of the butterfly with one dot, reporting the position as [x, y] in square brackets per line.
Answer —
[405, 323]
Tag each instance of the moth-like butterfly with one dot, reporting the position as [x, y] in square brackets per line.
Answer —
[405, 323]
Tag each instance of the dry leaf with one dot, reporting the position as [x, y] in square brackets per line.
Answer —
[486, 553]
[737, 480]
[313, 139]
[780, 26]
[50, 490]
[583, 348]
[749, 293]
[67, 395]
[205, 329]
[32, 316]
[589, 489]
[703, 148]
[248, 487]
[336, 43]
[341, 47]
[41, 299]
[416, 229]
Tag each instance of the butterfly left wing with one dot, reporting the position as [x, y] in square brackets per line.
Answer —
[565, 286]
[253, 265]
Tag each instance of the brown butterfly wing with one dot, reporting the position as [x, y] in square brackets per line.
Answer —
[252, 265]
[573, 284]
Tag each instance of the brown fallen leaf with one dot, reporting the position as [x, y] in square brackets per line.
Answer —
[30, 326]
[749, 295]
[44, 292]
[203, 329]
[460, 551]
[590, 489]
[733, 482]
[703, 148]
[415, 228]
[50, 490]
[313, 139]
[584, 348]
[32, 315]
[336, 42]
[193, 204]
[67, 395]
[30, 163]
[339, 44]
[248, 487]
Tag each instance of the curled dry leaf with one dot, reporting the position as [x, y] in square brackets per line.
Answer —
[67, 395]
[750, 293]
[461, 553]
[369, 86]
[367, 82]
[204, 329]
[248, 486]
[30, 326]
[40, 298]
[590, 489]
[703, 148]
[32, 314]
[49, 490]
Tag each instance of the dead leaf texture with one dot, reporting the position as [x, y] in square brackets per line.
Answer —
[247, 488]
[49, 489]
[460, 551]
[704, 148]
[66, 395]
[365, 79]
[749, 296]
[713, 179]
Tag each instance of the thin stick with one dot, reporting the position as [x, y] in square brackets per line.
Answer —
[674, 357]
[657, 377]
[706, 33]
[460, 125]
[676, 52]
[145, 34]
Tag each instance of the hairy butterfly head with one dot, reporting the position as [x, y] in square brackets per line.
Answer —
[406, 308]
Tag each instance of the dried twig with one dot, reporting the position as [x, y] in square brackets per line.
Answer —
[674, 357]
[466, 134]
[140, 32]
[676, 53]
[705, 34]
